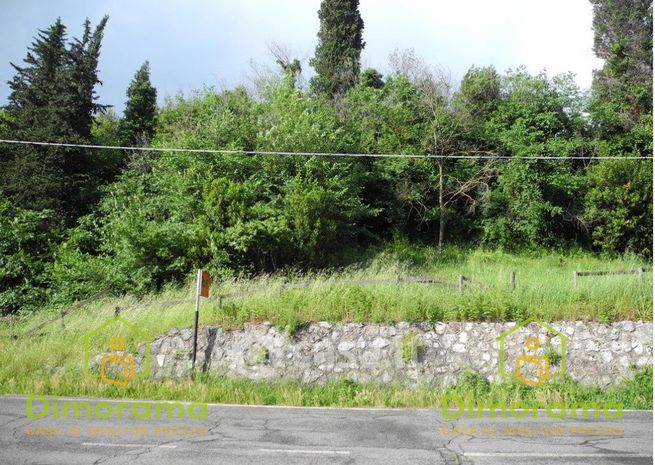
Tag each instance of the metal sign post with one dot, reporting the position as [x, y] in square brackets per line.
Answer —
[202, 289]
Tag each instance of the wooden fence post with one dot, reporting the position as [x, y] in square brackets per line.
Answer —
[575, 278]
[460, 283]
[512, 280]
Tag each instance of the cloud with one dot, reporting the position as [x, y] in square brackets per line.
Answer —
[209, 42]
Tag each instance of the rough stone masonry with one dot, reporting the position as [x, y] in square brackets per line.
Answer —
[409, 354]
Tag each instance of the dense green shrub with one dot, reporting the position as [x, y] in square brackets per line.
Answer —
[532, 202]
[619, 206]
[27, 242]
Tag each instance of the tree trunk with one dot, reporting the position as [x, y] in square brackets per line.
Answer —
[442, 220]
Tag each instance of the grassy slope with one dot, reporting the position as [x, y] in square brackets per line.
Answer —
[51, 362]
[635, 393]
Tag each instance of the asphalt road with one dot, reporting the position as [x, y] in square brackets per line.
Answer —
[279, 435]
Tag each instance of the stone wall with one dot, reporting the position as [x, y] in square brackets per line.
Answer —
[410, 354]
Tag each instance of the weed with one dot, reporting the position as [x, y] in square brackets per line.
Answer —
[260, 356]
[411, 346]
[553, 355]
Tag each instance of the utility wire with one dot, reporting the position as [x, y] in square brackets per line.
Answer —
[460, 155]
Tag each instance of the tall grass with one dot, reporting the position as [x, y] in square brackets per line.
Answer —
[544, 289]
[51, 360]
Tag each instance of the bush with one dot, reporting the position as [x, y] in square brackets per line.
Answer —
[619, 206]
[79, 270]
[27, 242]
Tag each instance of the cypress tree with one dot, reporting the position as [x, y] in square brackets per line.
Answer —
[138, 123]
[337, 56]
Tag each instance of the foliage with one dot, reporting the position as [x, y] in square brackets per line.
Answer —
[619, 206]
[137, 222]
[477, 99]
[623, 88]
[79, 270]
[337, 56]
[27, 240]
[52, 99]
[229, 213]
[260, 355]
[623, 37]
[144, 234]
[534, 202]
[371, 77]
[138, 124]
[107, 164]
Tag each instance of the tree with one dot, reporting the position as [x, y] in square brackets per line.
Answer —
[291, 67]
[83, 78]
[536, 202]
[52, 99]
[443, 140]
[36, 111]
[371, 77]
[623, 37]
[621, 106]
[477, 98]
[618, 203]
[459, 182]
[386, 120]
[106, 131]
[140, 116]
[450, 188]
[619, 206]
[337, 56]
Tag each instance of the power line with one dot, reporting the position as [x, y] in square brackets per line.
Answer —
[459, 156]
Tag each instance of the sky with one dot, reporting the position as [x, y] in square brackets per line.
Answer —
[196, 43]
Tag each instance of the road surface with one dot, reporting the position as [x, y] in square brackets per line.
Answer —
[288, 435]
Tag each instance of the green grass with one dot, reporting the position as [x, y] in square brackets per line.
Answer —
[635, 393]
[52, 360]
[544, 290]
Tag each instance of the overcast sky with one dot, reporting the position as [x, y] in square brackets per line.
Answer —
[213, 42]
